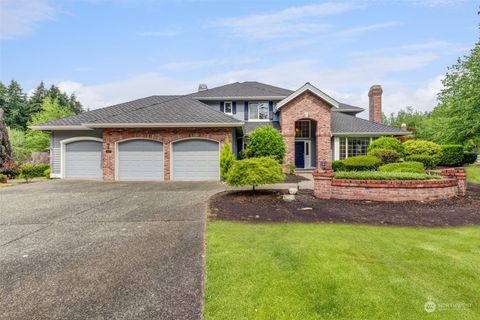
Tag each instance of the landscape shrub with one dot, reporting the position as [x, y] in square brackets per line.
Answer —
[385, 155]
[255, 172]
[469, 157]
[407, 166]
[429, 162]
[387, 143]
[266, 142]
[39, 170]
[291, 168]
[422, 147]
[226, 159]
[361, 163]
[3, 178]
[30, 171]
[338, 165]
[378, 175]
[452, 155]
[46, 173]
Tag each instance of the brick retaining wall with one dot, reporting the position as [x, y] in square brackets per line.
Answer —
[327, 187]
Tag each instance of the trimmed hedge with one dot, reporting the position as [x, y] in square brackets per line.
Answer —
[422, 147]
[361, 163]
[407, 166]
[387, 143]
[266, 142]
[30, 171]
[452, 155]
[429, 162]
[338, 165]
[378, 175]
[469, 157]
[385, 155]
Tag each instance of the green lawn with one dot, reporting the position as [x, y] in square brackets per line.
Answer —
[473, 173]
[328, 271]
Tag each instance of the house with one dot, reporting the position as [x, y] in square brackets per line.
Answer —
[180, 137]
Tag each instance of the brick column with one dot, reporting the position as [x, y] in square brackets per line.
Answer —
[322, 183]
[108, 155]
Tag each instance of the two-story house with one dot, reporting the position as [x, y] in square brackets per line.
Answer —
[180, 137]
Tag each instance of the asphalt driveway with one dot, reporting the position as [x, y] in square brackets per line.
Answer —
[86, 249]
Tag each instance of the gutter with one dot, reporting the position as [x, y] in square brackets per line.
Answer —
[369, 134]
[49, 128]
[264, 98]
[164, 125]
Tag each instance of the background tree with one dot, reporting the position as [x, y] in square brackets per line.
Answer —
[65, 101]
[16, 106]
[414, 119]
[5, 148]
[37, 97]
[51, 110]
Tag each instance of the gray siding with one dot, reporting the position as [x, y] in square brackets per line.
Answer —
[240, 115]
[57, 136]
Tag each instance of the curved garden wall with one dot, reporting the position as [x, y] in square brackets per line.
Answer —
[453, 184]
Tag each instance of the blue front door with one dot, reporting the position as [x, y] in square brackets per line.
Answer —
[300, 154]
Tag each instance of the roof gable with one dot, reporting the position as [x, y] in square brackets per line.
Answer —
[308, 87]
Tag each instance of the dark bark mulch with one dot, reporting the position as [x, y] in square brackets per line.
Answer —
[292, 178]
[268, 206]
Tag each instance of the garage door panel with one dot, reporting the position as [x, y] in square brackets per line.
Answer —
[140, 160]
[83, 160]
[196, 160]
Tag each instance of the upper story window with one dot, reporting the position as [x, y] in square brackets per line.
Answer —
[228, 107]
[258, 110]
[302, 129]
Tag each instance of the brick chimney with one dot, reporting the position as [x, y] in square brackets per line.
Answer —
[375, 103]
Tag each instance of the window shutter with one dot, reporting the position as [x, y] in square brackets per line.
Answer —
[234, 107]
[245, 110]
[270, 110]
[222, 106]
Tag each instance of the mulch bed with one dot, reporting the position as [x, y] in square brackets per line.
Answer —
[268, 206]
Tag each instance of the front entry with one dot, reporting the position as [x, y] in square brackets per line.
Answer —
[300, 154]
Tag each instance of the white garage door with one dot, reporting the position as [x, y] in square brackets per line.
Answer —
[83, 160]
[196, 160]
[140, 160]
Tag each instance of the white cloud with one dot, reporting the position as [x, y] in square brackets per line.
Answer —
[434, 3]
[362, 29]
[196, 64]
[19, 17]
[284, 23]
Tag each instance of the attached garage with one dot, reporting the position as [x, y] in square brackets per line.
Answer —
[195, 159]
[83, 160]
[140, 160]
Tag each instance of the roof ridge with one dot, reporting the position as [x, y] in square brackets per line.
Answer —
[259, 88]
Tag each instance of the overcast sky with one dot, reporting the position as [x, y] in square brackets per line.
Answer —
[110, 51]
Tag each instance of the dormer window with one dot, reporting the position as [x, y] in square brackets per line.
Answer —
[228, 107]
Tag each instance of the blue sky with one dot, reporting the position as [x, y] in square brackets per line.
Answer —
[110, 51]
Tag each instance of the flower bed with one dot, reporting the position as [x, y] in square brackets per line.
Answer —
[452, 184]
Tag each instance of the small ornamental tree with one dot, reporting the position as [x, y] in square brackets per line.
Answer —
[255, 172]
[226, 159]
[266, 142]
[387, 143]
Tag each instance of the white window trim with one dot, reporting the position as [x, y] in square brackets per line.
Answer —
[346, 145]
[225, 107]
[258, 112]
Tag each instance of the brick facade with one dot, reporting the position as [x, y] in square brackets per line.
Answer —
[307, 106]
[454, 184]
[165, 135]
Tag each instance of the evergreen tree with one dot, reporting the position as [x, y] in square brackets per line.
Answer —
[69, 102]
[17, 109]
[37, 97]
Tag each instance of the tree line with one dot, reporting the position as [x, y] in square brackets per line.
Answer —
[456, 118]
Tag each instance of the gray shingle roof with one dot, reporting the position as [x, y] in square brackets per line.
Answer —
[250, 126]
[242, 90]
[344, 123]
[343, 107]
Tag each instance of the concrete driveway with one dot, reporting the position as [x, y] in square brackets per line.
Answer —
[86, 249]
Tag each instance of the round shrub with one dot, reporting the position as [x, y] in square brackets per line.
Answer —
[255, 172]
[385, 155]
[422, 147]
[429, 162]
[338, 165]
[407, 166]
[361, 163]
[387, 143]
[469, 157]
[266, 142]
[452, 155]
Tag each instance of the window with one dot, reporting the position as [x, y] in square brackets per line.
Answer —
[353, 146]
[228, 107]
[302, 129]
[258, 111]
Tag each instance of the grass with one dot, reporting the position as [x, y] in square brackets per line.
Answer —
[407, 166]
[473, 173]
[326, 271]
[379, 175]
